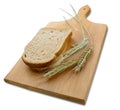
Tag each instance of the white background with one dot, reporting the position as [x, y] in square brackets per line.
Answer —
[20, 20]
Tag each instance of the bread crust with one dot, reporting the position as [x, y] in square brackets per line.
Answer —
[65, 46]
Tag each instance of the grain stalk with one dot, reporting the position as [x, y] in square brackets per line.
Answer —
[73, 50]
[60, 68]
[82, 60]
[77, 64]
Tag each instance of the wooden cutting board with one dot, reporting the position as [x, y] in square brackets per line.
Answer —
[67, 85]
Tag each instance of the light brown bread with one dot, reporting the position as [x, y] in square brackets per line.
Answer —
[46, 46]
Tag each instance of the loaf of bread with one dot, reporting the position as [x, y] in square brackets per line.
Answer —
[46, 46]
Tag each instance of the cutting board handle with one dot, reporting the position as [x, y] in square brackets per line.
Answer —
[84, 12]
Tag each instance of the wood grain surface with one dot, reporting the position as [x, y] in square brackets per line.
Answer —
[67, 85]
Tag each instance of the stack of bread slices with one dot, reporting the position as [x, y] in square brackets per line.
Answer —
[46, 46]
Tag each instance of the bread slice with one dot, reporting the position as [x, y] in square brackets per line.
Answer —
[46, 46]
